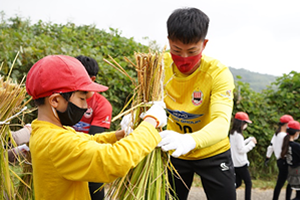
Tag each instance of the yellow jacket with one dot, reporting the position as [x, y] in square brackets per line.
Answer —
[200, 104]
[64, 161]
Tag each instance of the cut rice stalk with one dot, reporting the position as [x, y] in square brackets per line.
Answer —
[12, 96]
[149, 179]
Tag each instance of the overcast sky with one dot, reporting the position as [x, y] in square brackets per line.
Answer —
[258, 35]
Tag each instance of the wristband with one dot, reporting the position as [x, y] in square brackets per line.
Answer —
[157, 122]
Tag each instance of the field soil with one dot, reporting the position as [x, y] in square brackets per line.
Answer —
[197, 193]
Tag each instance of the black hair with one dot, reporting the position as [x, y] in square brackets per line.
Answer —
[67, 95]
[286, 140]
[188, 25]
[41, 101]
[237, 126]
[90, 65]
[278, 130]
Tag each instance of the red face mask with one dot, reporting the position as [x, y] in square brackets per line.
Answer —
[186, 64]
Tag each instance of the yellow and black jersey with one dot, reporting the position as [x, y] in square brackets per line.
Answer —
[200, 104]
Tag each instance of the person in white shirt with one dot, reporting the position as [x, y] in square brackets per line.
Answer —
[239, 149]
[275, 147]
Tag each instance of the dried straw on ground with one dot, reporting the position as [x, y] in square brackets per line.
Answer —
[148, 180]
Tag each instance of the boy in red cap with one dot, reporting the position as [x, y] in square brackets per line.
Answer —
[275, 147]
[96, 119]
[239, 149]
[291, 152]
[63, 160]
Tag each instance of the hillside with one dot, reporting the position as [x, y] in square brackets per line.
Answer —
[256, 80]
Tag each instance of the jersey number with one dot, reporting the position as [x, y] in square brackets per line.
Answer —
[186, 129]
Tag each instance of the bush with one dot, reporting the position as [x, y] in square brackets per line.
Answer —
[41, 39]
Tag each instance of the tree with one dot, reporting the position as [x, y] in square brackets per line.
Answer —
[286, 98]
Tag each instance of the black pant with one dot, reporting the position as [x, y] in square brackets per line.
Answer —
[282, 176]
[99, 195]
[242, 173]
[216, 173]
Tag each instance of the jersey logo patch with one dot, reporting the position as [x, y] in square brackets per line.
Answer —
[197, 98]
[106, 121]
[88, 113]
[227, 95]
[224, 167]
[82, 127]
[182, 114]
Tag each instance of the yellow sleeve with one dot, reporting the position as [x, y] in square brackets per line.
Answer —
[85, 159]
[106, 137]
[221, 106]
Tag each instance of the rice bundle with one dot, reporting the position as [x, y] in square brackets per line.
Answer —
[12, 96]
[149, 179]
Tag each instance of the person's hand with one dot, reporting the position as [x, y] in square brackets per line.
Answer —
[181, 143]
[158, 113]
[120, 134]
[21, 148]
[253, 140]
[126, 124]
[22, 135]
[267, 161]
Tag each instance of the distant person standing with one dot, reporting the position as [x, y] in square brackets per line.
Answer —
[239, 149]
[291, 151]
[97, 118]
[276, 147]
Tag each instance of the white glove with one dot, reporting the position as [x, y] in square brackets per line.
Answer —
[21, 148]
[158, 113]
[126, 124]
[29, 127]
[181, 143]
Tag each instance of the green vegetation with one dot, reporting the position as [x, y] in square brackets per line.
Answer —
[41, 39]
[264, 105]
[264, 110]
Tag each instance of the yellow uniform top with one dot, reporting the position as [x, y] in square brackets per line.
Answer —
[64, 160]
[200, 104]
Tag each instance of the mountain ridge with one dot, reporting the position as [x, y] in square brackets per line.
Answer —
[257, 81]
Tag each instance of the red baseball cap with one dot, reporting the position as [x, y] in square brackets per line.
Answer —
[242, 116]
[294, 125]
[286, 118]
[59, 74]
